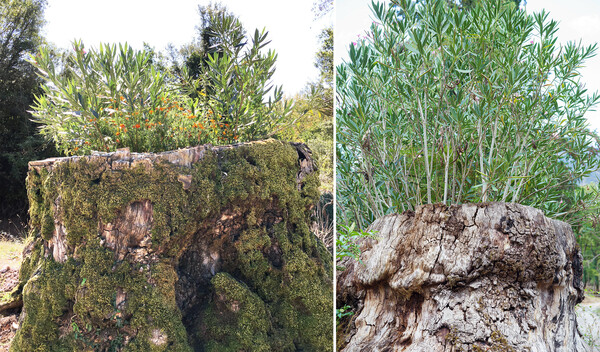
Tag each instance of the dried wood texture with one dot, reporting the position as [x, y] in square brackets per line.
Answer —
[474, 277]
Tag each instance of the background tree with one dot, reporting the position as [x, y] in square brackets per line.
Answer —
[321, 92]
[322, 8]
[20, 25]
[194, 57]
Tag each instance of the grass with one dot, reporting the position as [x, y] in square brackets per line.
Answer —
[10, 253]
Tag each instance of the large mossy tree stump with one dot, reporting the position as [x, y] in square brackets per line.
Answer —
[199, 249]
[474, 277]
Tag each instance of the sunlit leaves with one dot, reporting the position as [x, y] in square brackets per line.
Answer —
[439, 104]
[238, 80]
[112, 98]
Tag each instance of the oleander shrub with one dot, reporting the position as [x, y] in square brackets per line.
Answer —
[442, 104]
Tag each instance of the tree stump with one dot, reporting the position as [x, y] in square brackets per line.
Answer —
[472, 277]
[199, 249]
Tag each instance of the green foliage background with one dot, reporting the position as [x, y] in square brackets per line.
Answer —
[20, 33]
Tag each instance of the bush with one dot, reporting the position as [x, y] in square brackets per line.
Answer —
[440, 104]
[118, 97]
[112, 98]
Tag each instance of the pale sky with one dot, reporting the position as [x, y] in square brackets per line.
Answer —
[577, 20]
[292, 29]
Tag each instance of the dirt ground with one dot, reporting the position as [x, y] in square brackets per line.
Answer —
[10, 261]
[589, 299]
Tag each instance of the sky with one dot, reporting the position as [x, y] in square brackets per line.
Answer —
[292, 28]
[577, 21]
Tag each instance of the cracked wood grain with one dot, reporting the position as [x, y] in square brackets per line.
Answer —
[471, 277]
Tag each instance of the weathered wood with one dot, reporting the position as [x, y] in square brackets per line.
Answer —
[472, 277]
[205, 248]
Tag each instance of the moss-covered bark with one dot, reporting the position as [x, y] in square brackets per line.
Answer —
[205, 250]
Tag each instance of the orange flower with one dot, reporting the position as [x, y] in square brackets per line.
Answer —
[152, 111]
[118, 133]
[122, 125]
[137, 125]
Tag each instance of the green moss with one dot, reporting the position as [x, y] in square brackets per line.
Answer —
[45, 299]
[237, 319]
[500, 343]
[90, 287]
[280, 306]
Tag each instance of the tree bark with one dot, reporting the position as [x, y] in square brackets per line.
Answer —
[205, 249]
[472, 277]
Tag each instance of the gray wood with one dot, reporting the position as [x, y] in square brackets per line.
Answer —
[472, 277]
